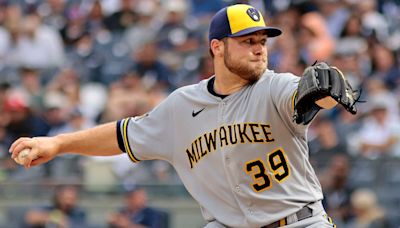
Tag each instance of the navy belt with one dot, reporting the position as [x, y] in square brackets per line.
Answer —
[303, 213]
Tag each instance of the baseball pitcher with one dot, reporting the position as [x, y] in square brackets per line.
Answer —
[237, 140]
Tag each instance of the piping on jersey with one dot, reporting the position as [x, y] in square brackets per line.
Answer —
[293, 99]
[126, 142]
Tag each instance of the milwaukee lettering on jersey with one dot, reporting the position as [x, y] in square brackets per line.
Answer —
[226, 136]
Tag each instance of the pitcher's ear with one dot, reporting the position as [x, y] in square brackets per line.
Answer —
[217, 47]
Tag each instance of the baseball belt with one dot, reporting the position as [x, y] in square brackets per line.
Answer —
[303, 213]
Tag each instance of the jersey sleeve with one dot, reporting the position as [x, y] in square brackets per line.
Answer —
[148, 137]
[283, 92]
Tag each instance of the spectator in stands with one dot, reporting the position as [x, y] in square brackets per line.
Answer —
[284, 54]
[31, 88]
[314, 37]
[11, 18]
[327, 144]
[373, 21]
[352, 27]
[379, 135]
[137, 213]
[75, 27]
[4, 90]
[95, 17]
[377, 90]
[150, 68]
[54, 13]
[175, 34]
[347, 127]
[125, 17]
[337, 190]
[63, 212]
[88, 59]
[368, 213]
[21, 119]
[351, 57]
[53, 115]
[66, 85]
[385, 67]
[127, 96]
[38, 45]
[146, 27]
[351, 52]
[336, 13]
[76, 121]
[5, 45]
[178, 35]
[6, 164]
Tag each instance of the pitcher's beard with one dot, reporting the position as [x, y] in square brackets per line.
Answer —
[252, 75]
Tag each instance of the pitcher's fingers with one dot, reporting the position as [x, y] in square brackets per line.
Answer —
[33, 154]
[16, 142]
[27, 143]
[38, 161]
[27, 165]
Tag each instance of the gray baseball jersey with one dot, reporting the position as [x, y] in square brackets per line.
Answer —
[242, 158]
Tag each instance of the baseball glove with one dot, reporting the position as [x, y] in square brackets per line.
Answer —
[318, 81]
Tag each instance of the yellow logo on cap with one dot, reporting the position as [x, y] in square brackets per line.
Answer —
[242, 17]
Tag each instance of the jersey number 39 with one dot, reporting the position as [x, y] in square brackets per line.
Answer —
[278, 165]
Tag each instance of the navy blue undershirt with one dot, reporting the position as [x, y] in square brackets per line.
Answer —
[210, 88]
[119, 137]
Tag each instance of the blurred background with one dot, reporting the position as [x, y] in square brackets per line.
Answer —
[67, 65]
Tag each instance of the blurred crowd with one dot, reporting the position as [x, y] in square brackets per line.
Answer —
[64, 209]
[67, 65]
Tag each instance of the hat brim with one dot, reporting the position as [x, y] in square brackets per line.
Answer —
[271, 31]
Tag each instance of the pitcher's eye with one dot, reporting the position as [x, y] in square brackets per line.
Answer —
[248, 41]
[264, 42]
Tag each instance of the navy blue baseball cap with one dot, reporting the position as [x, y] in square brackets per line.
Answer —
[239, 20]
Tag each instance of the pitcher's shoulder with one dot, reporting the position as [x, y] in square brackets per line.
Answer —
[271, 76]
[193, 90]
